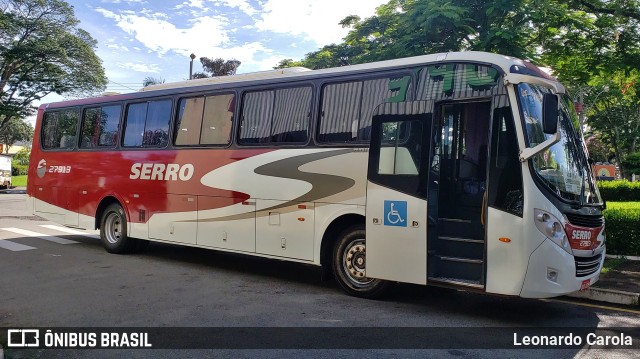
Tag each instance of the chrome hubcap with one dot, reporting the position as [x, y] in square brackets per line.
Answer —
[354, 261]
[113, 228]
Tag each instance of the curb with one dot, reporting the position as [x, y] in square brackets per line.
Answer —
[608, 295]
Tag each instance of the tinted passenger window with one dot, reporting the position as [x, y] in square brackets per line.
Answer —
[147, 124]
[347, 108]
[59, 129]
[217, 120]
[291, 115]
[205, 120]
[276, 116]
[100, 127]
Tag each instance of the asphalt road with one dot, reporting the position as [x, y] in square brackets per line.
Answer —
[69, 280]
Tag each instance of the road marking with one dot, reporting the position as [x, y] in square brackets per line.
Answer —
[46, 237]
[15, 247]
[593, 305]
[69, 230]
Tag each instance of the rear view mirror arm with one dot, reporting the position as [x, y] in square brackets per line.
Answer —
[530, 152]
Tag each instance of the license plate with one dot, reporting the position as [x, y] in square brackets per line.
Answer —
[585, 284]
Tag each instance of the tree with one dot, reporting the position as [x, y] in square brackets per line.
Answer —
[14, 131]
[283, 64]
[217, 67]
[612, 108]
[598, 150]
[150, 80]
[42, 51]
[632, 163]
[587, 43]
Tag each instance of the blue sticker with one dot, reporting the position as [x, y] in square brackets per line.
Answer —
[395, 213]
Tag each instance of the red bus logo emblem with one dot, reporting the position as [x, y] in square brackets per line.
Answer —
[42, 168]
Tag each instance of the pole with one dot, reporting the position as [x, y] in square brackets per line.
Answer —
[192, 56]
[581, 114]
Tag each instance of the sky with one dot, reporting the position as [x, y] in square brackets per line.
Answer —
[140, 38]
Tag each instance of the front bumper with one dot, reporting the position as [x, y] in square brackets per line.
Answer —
[549, 258]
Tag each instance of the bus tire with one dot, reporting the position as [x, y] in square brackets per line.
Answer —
[349, 264]
[113, 231]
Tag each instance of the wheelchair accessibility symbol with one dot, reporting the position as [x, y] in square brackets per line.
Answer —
[395, 213]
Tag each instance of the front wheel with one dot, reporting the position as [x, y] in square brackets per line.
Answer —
[113, 231]
[349, 260]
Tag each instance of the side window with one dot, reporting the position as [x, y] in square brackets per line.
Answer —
[291, 115]
[189, 121]
[134, 124]
[100, 127]
[280, 116]
[59, 129]
[156, 131]
[205, 120]
[147, 124]
[217, 120]
[347, 108]
[257, 112]
[505, 170]
[399, 152]
[340, 112]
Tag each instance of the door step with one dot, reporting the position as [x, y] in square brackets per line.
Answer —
[456, 220]
[461, 260]
[458, 239]
[456, 267]
[457, 281]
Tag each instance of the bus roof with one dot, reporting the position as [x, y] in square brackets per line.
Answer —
[504, 62]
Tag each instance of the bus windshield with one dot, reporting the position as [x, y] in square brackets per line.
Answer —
[563, 167]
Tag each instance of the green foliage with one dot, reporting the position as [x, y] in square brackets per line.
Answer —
[619, 191]
[150, 80]
[598, 150]
[217, 67]
[15, 130]
[42, 51]
[632, 163]
[19, 170]
[612, 108]
[20, 163]
[622, 225]
[287, 63]
[21, 158]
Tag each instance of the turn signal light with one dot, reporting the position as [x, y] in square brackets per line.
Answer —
[504, 239]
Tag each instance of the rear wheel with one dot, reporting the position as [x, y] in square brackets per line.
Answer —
[113, 231]
[349, 261]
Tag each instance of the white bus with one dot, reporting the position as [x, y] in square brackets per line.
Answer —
[457, 169]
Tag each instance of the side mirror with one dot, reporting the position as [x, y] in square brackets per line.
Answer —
[550, 113]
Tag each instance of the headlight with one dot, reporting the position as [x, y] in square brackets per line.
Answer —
[552, 228]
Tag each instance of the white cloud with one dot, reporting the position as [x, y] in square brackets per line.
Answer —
[139, 67]
[242, 5]
[316, 20]
[123, 1]
[198, 4]
[161, 36]
[119, 48]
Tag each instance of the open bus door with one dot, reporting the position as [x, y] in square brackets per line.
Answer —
[398, 192]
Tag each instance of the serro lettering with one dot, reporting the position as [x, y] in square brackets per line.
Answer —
[581, 234]
[161, 171]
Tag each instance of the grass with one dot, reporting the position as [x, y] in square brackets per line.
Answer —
[623, 205]
[19, 181]
[612, 263]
